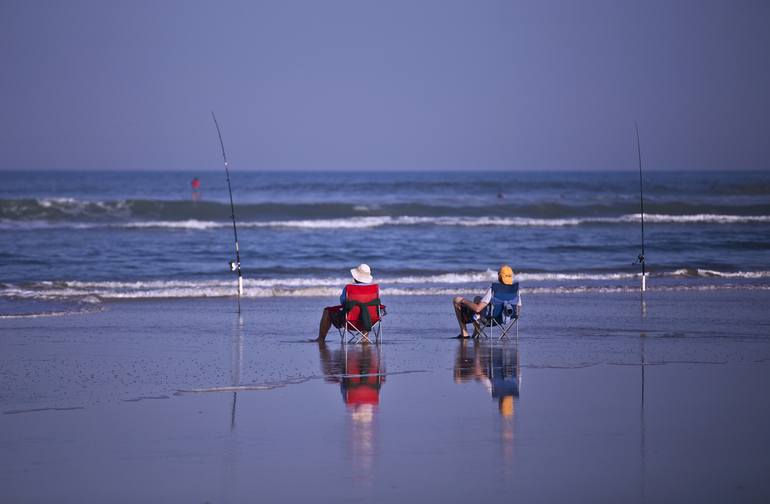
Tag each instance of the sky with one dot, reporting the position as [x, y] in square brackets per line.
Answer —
[368, 85]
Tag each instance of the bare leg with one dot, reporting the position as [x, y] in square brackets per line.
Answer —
[458, 313]
[323, 328]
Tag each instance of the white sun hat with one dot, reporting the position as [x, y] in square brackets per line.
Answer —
[362, 273]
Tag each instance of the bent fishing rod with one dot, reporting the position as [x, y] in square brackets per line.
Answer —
[640, 257]
[234, 266]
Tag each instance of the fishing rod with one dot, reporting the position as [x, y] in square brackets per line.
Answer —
[234, 266]
[640, 257]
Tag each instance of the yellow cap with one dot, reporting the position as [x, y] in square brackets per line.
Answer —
[505, 274]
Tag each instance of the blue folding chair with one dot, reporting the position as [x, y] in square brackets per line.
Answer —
[503, 311]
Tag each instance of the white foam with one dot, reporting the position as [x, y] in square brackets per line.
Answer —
[721, 274]
[331, 293]
[701, 218]
[375, 222]
[352, 223]
[329, 287]
[185, 224]
[74, 206]
[473, 277]
[49, 202]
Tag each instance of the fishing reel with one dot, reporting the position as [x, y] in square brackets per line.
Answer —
[233, 266]
[639, 259]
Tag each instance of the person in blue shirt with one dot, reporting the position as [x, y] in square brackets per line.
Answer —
[467, 311]
[334, 315]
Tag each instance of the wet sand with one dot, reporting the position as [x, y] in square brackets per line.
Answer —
[183, 401]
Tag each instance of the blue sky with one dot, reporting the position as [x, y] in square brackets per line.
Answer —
[374, 85]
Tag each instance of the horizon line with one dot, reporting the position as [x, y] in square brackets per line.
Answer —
[392, 170]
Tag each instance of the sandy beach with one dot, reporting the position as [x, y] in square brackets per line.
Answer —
[185, 401]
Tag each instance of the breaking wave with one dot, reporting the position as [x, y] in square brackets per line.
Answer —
[177, 214]
[706, 273]
[375, 222]
[93, 292]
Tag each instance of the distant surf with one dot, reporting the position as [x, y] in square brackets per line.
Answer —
[171, 213]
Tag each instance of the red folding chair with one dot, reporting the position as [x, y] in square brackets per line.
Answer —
[363, 314]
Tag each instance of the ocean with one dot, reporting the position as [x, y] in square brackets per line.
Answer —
[73, 240]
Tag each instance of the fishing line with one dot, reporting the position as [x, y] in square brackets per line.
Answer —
[234, 266]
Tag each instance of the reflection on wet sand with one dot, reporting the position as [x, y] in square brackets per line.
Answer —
[236, 365]
[359, 370]
[496, 365]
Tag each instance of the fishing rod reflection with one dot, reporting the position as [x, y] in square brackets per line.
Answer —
[236, 365]
[359, 371]
[495, 365]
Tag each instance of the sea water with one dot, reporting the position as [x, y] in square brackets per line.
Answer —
[75, 239]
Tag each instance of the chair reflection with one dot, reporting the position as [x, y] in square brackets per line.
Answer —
[359, 371]
[495, 365]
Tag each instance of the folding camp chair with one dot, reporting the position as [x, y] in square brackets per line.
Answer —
[501, 312]
[363, 314]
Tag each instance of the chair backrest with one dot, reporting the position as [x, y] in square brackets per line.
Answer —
[503, 295]
[363, 293]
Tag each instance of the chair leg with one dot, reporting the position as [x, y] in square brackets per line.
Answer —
[359, 336]
[507, 329]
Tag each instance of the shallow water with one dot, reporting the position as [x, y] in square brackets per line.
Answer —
[140, 348]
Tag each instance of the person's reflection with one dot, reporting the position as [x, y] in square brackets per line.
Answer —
[360, 373]
[496, 365]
